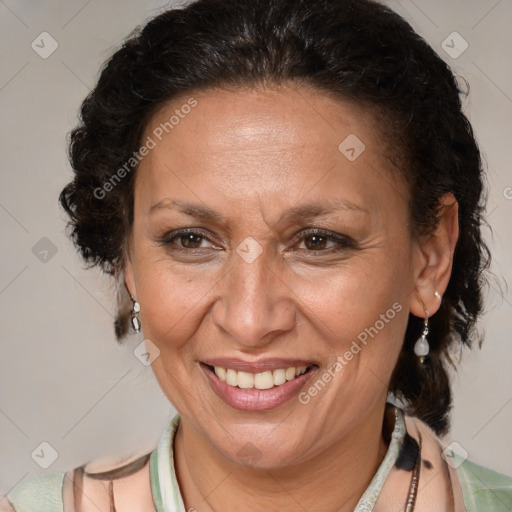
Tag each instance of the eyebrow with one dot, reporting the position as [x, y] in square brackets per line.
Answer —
[193, 210]
[298, 213]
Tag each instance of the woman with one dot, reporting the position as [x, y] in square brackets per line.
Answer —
[291, 197]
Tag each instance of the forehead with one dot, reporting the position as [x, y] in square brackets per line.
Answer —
[279, 144]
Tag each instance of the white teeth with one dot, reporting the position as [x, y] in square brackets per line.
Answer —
[290, 373]
[245, 380]
[231, 377]
[279, 377]
[262, 380]
[220, 372]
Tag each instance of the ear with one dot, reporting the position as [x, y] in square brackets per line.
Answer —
[435, 262]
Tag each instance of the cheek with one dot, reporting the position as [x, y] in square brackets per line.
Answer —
[356, 289]
[172, 302]
[360, 322]
[362, 305]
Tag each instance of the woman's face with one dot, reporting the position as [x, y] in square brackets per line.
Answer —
[266, 237]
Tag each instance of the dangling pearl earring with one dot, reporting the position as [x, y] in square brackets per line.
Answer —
[421, 348]
[135, 318]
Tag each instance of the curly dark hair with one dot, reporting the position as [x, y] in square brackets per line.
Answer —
[359, 50]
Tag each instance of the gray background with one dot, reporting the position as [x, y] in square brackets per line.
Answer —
[63, 378]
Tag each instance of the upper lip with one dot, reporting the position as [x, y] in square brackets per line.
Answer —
[257, 366]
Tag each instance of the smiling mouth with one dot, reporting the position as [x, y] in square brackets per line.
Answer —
[262, 380]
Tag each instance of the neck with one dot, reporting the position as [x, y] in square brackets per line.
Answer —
[333, 480]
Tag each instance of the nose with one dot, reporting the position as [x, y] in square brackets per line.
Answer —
[254, 305]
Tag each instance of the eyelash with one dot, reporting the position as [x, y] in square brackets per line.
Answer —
[343, 241]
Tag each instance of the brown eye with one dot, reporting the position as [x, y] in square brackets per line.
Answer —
[323, 242]
[191, 241]
[315, 242]
[187, 241]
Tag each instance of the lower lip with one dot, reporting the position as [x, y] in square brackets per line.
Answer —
[256, 399]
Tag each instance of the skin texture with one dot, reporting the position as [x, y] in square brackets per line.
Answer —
[250, 155]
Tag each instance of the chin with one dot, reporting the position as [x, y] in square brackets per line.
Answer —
[265, 445]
